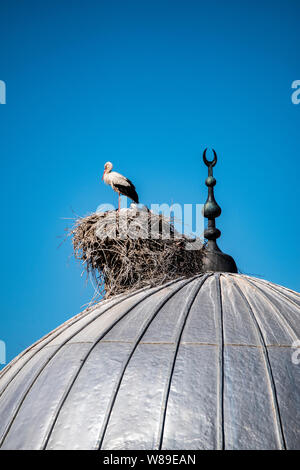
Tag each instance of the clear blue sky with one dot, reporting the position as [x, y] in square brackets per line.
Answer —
[147, 85]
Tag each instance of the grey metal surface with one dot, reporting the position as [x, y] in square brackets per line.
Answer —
[203, 363]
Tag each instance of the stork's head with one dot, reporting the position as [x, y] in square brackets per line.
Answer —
[107, 168]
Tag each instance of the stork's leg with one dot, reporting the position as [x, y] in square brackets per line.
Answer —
[119, 202]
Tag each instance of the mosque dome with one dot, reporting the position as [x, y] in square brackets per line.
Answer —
[200, 363]
[205, 362]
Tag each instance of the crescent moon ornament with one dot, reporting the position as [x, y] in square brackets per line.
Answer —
[210, 163]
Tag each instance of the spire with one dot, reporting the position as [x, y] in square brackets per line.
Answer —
[214, 258]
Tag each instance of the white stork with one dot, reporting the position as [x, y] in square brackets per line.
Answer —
[119, 183]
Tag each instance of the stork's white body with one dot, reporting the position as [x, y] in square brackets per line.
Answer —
[113, 178]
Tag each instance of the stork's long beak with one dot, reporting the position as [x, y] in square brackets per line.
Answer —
[103, 175]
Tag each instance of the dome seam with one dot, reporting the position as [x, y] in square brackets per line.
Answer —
[177, 343]
[267, 363]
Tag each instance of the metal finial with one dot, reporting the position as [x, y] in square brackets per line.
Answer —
[211, 208]
[215, 259]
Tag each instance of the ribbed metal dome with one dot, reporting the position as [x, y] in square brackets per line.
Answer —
[203, 363]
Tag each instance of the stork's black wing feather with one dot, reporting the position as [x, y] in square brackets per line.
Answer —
[128, 191]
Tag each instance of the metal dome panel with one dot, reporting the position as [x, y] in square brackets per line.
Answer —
[200, 363]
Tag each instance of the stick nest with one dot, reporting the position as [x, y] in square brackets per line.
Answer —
[131, 249]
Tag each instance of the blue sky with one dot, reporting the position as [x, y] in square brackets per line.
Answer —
[147, 85]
